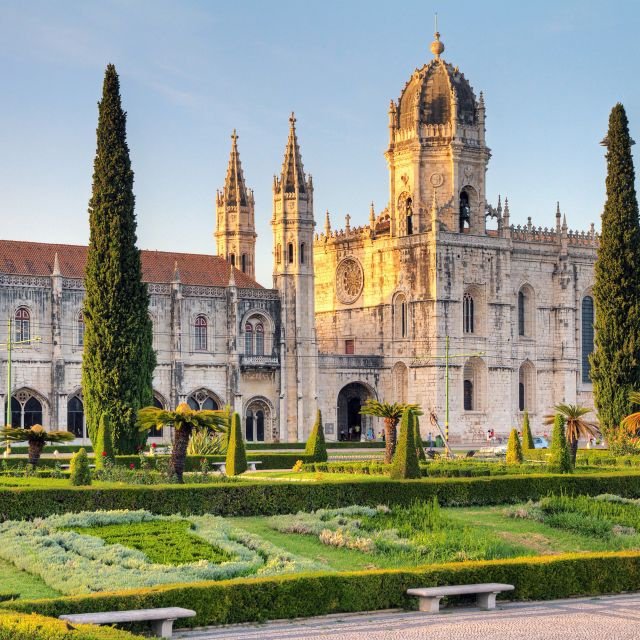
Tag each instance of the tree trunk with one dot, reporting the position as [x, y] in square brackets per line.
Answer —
[573, 450]
[35, 449]
[179, 452]
[389, 439]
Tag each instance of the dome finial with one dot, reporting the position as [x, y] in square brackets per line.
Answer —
[436, 46]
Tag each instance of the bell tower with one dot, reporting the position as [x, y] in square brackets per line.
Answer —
[235, 225]
[293, 276]
[437, 145]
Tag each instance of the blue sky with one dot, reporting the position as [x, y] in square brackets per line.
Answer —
[192, 71]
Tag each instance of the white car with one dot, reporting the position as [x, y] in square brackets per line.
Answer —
[540, 442]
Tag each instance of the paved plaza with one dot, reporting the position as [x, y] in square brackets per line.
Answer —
[605, 618]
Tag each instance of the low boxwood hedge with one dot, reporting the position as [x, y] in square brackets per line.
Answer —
[15, 625]
[266, 497]
[300, 595]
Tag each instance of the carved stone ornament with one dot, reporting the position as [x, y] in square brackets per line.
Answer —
[349, 280]
[436, 179]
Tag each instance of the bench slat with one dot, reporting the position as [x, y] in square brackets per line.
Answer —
[141, 615]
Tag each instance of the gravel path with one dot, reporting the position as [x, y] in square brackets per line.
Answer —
[605, 618]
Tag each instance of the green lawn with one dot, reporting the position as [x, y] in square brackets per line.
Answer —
[13, 580]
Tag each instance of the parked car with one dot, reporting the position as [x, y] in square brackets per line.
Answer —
[539, 442]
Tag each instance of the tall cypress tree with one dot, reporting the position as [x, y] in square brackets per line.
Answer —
[615, 362]
[118, 361]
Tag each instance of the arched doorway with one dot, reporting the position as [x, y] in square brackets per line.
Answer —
[352, 426]
[257, 420]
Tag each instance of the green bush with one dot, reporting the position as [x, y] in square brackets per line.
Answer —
[248, 498]
[560, 458]
[316, 448]
[514, 449]
[80, 474]
[30, 626]
[236, 461]
[418, 440]
[104, 442]
[368, 467]
[405, 461]
[527, 436]
[302, 595]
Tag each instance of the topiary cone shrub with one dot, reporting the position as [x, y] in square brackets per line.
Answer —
[514, 449]
[80, 474]
[316, 449]
[104, 443]
[405, 462]
[236, 462]
[527, 436]
[560, 459]
[418, 440]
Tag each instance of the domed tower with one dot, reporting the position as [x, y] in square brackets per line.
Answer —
[437, 146]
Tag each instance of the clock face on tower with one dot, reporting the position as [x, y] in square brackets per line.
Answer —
[349, 280]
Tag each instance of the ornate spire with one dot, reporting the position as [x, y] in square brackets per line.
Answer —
[176, 272]
[437, 47]
[372, 217]
[292, 169]
[56, 266]
[235, 189]
[558, 216]
[327, 224]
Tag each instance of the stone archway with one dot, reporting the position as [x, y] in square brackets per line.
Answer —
[351, 425]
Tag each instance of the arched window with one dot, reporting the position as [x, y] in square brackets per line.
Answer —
[75, 417]
[468, 395]
[257, 418]
[521, 313]
[23, 325]
[200, 334]
[232, 259]
[467, 313]
[278, 253]
[248, 339]
[290, 252]
[401, 317]
[302, 253]
[526, 387]
[259, 339]
[80, 331]
[465, 211]
[409, 214]
[587, 337]
[244, 263]
[26, 409]
[202, 400]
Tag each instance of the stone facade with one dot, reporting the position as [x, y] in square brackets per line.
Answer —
[356, 313]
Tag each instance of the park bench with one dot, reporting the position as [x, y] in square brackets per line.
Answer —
[161, 619]
[251, 464]
[429, 598]
[222, 466]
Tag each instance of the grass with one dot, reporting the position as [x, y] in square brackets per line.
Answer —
[161, 541]
[27, 585]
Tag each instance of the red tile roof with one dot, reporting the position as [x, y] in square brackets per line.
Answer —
[36, 259]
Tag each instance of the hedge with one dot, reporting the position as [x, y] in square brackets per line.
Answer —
[301, 595]
[27, 626]
[248, 498]
[193, 463]
[589, 457]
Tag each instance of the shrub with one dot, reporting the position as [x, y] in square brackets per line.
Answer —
[560, 458]
[316, 448]
[527, 436]
[302, 595]
[30, 626]
[514, 449]
[236, 462]
[418, 440]
[80, 474]
[104, 442]
[405, 461]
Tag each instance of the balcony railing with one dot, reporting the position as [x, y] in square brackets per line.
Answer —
[349, 362]
[259, 362]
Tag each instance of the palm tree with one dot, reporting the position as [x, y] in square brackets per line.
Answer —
[391, 414]
[36, 436]
[576, 426]
[631, 424]
[185, 421]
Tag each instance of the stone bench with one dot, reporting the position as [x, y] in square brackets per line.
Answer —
[161, 619]
[429, 598]
[222, 466]
[251, 464]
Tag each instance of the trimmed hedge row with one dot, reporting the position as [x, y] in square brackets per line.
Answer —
[248, 498]
[27, 626]
[589, 457]
[300, 595]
